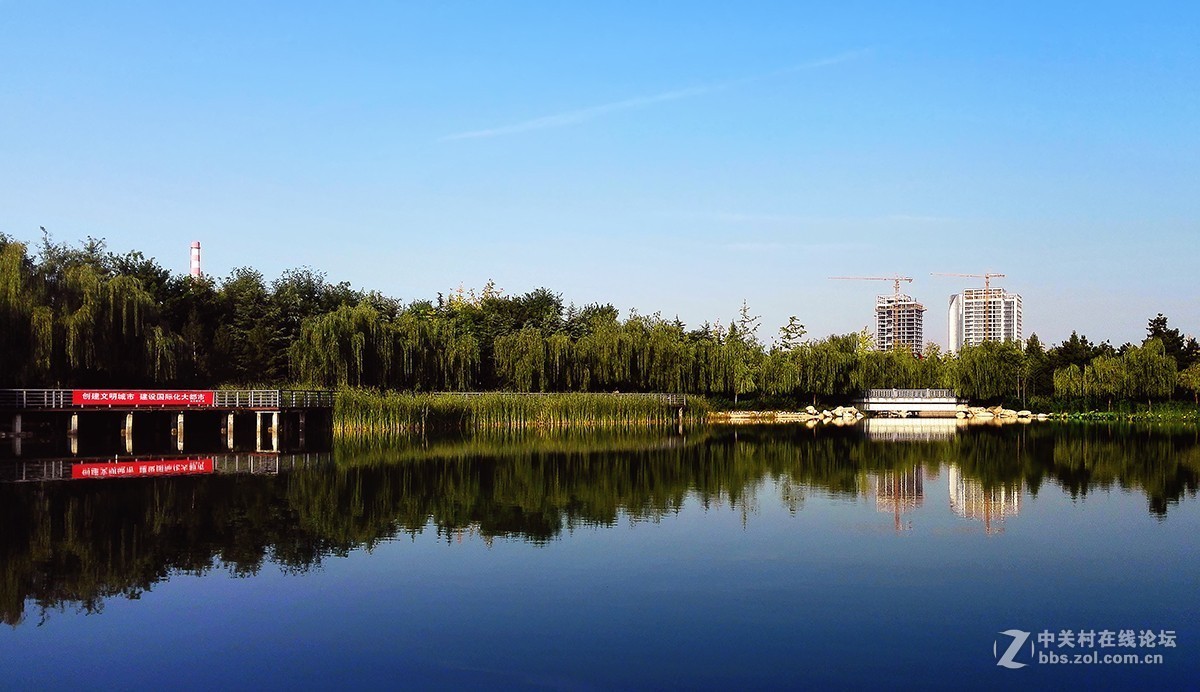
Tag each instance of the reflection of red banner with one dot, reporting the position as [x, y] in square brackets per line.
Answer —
[134, 469]
[137, 397]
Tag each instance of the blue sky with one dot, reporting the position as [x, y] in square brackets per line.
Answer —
[674, 157]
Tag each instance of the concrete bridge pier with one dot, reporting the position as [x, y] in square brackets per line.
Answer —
[73, 428]
[127, 433]
[275, 430]
[178, 430]
[228, 431]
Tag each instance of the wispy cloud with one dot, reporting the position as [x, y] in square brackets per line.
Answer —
[771, 246]
[592, 112]
[755, 218]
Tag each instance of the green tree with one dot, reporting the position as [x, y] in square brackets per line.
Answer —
[1069, 382]
[1190, 379]
[990, 370]
[250, 341]
[1108, 378]
[1037, 372]
[1185, 351]
[744, 352]
[1077, 350]
[1150, 370]
[791, 335]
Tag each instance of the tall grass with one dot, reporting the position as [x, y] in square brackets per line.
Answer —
[367, 412]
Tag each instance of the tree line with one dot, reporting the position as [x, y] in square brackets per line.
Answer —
[84, 316]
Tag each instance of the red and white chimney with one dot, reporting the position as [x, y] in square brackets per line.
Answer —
[196, 259]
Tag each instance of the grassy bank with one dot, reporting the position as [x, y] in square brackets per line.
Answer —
[1164, 415]
[1119, 410]
[365, 412]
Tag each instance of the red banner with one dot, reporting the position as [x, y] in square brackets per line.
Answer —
[140, 397]
[140, 469]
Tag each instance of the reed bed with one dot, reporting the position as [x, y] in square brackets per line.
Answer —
[368, 412]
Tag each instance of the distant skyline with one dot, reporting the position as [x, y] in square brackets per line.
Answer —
[675, 157]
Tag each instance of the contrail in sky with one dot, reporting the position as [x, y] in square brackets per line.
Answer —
[592, 112]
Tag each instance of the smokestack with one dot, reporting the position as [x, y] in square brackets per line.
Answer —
[196, 259]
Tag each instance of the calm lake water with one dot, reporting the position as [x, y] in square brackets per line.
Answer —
[888, 556]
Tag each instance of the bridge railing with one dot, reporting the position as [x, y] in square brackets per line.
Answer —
[34, 398]
[297, 398]
[911, 394]
[246, 398]
[272, 398]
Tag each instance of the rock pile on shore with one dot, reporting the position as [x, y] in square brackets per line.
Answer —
[992, 412]
[840, 415]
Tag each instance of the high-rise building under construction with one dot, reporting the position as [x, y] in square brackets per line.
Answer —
[984, 314]
[899, 322]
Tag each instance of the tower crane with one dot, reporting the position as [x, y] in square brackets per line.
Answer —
[896, 279]
[987, 296]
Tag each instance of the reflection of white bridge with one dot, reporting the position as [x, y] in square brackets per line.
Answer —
[933, 402]
[38, 470]
[910, 429]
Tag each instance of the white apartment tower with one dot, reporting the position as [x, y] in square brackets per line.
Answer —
[899, 320]
[984, 314]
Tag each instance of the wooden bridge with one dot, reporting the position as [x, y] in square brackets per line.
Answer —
[282, 418]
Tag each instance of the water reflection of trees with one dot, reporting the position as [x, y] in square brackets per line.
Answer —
[78, 543]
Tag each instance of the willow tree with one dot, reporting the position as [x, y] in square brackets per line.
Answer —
[102, 322]
[1069, 382]
[1108, 378]
[1152, 372]
[706, 370]
[521, 360]
[16, 306]
[458, 357]
[669, 357]
[560, 352]
[780, 372]
[825, 365]
[934, 369]
[1190, 379]
[990, 370]
[603, 358]
[885, 369]
[348, 346]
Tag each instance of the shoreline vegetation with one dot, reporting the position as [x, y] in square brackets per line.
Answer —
[769, 417]
[82, 316]
[366, 413]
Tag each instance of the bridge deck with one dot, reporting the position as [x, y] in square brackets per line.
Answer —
[17, 400]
